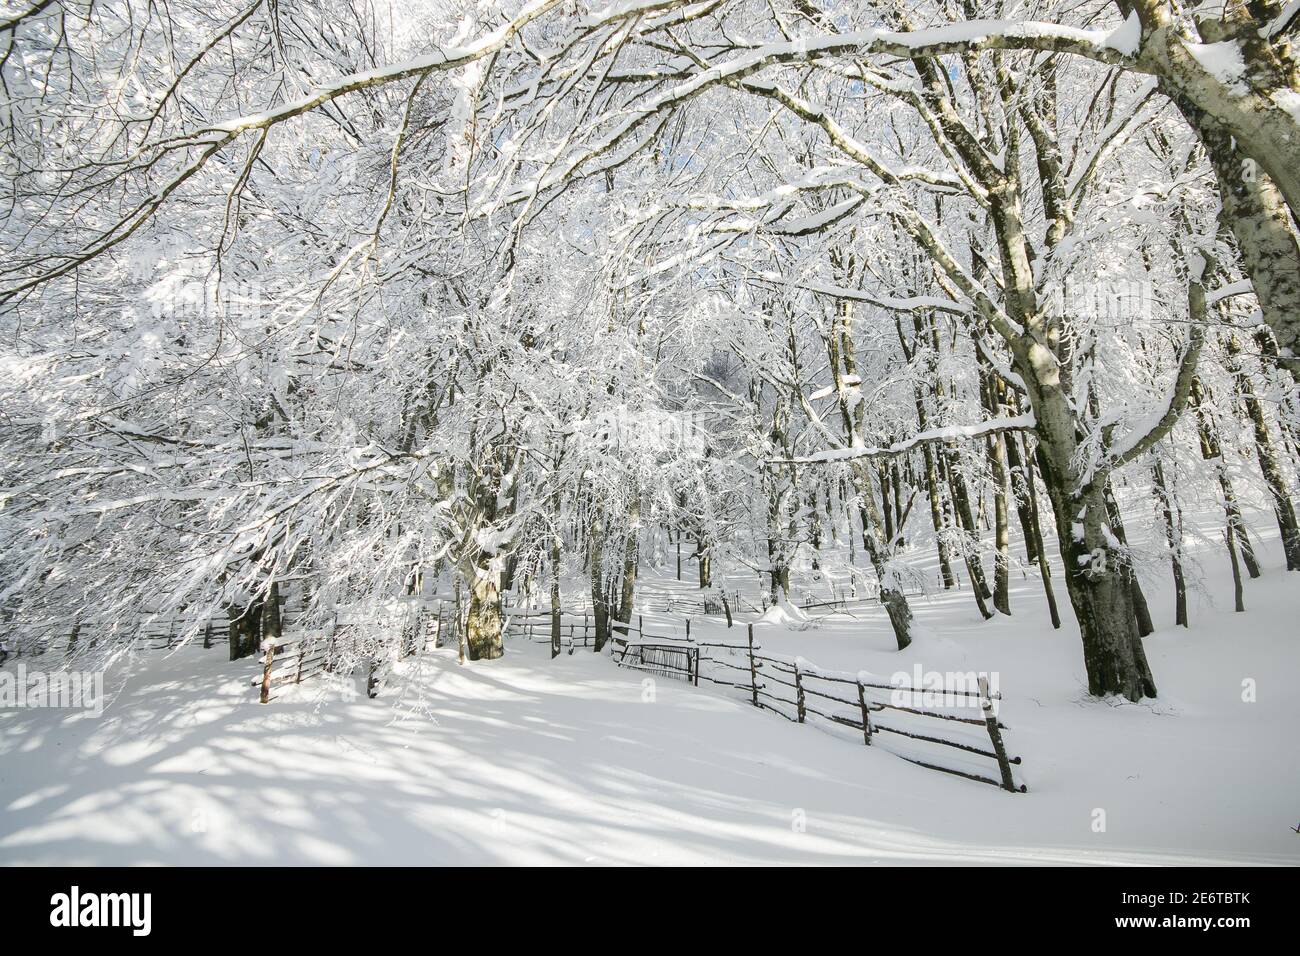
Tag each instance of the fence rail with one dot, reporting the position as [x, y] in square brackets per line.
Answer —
[155, 634]
[795, 689]
[291, 660]
[296, 658]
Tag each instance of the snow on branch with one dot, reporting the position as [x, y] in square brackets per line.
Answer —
[1284, 22]
[929, 436]
[911, 303]
[213, 138]
[1145, 435]
[969, 36]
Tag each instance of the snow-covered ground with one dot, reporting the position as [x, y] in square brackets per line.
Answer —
[528, 760]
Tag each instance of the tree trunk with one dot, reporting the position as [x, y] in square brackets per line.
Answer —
[1099, 591]
[1141, 610]
[556, 545]
[631, 559]
[937, 510]
[966, 518]
[271, 618]
[234, 632]
[1044, 567]
[705, 566]
[1268, 460]
[891, 596]
[886, 509]
[900, 516]
[843, 364]
[483, 618]
[1257, 215]
[1022, 491]
[600, 609]
[1238, 598]
[1174, 537]
[1212, 451]
[961, 506]
[995, 446]
[1002, 489]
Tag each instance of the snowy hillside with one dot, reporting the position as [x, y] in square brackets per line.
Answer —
[532, 761]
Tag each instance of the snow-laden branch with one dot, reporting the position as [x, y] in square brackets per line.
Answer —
[945, 433]
[1145, 435]
[443, 58]
[1285, 21]
[908, 304]
[213, 138]
[970, 36]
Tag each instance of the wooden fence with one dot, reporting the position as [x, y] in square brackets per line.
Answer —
[577, 629]
[296, 658]
[153, 635]
[964, 723]
[791, 688]
[713, 602]
[291, 660]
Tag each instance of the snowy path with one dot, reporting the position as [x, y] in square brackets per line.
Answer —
[526, 760]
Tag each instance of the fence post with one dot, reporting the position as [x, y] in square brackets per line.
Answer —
[798, 692]
[329, 649]
[688, 628]
[207, 635]
[866, 714]
[991, 722]
[265, 697]
[753, 671]
[697, 667]
[302, 650]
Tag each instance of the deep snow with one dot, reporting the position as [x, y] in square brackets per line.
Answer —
[528, 760]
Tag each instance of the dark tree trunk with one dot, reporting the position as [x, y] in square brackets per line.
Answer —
[631, 559]
[1269, 465]
[1238, 598]
[1021, 489]
[600, 607]
[1099, 591]
[1036, 525]
[1212, 451]
[966, 518]
[1141, 610]
[1174, 537]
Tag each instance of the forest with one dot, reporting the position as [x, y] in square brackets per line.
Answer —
[987, 310]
